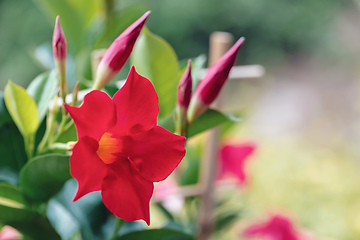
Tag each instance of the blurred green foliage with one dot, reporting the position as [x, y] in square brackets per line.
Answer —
[274, 30]
[22, 28]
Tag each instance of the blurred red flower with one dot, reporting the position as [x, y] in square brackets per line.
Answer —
[121, 150]
[276, 228]
[232, 160]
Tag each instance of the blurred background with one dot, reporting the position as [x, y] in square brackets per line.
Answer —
[303, 114]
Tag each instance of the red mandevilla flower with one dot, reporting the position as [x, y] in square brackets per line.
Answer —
[276, 228]
[233, 159]
[210, 86]
[118, 53]
[121, 151]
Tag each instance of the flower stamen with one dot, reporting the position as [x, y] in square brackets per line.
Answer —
[109, 147]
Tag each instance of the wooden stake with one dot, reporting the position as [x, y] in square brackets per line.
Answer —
[220, 42]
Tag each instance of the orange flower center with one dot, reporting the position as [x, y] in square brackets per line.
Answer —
[109, 148]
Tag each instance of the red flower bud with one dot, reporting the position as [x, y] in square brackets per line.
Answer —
[185, 87]
[210, 86]
[183, 100]
[118, 53]
[59, 42]
[59, 52]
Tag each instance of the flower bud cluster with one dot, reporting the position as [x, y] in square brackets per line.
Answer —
[189, 108]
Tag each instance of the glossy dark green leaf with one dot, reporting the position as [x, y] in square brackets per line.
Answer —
[209, 119]
[12, 150]
[42, 89]
[11, 197]
[4, 115]
[15, 212]
[156, 60]
[44, 175]
[157, 234]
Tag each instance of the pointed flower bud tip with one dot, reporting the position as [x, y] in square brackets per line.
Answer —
[185, 87]
[209, 88]
[118, 53]
[183, 100]
[59, 42]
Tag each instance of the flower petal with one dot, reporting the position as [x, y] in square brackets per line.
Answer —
[86, 167]
[277, 227]
[156, 153]
[126, 194]
[94, 116]
[136, 104]
[233, 160]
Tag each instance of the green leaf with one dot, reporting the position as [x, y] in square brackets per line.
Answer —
[156, 60]
[42, 89]
[4, 115]
[44, 176]
[209, 119]
[14, 212]
[22, 109]
[11, 142]
[157, 234]
[69, 135]
[190, 174]
[87, 9]
[225, 220]
[71, 21]
[89, 212]
[10, 197]
[61, 219]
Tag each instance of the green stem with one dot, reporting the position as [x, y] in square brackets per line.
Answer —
[64, 126]
[50, 129]
[29, 142]
[118, 223]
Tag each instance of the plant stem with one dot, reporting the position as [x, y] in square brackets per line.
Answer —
[50, 129]
[29, 142]
[64, 126]
[118, 223]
